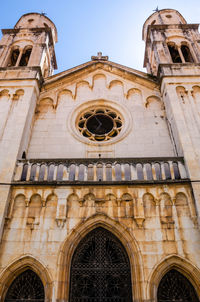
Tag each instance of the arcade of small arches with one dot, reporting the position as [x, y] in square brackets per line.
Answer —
[101, 270]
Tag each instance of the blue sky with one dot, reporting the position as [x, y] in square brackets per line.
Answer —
[88, 26]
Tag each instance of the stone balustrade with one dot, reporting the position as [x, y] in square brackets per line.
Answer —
[100, 170]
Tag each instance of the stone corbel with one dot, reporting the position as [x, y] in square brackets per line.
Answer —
[27, 202]
[157, 201]
[195, 221]
[99, 201]
[118, 201]
[15, 97]
[60, 222]
[81, 201]
[139, 212]
[43, 202]
[7, 221]
[167, 221]
[139, 221]
[31, 222]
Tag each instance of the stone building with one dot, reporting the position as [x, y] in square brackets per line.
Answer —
[100, 169]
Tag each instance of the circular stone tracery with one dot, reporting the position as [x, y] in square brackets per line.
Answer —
[100, 124]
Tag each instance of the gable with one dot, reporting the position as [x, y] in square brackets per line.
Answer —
[99, 81]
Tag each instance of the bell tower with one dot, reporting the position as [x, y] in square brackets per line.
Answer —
[172, 55]
[27, 56]
[169, 40]
[30, 44]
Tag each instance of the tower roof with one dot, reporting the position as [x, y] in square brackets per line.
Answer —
[31, 20]
[163, 16]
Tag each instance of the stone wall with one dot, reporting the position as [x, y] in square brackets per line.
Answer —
[153, 222]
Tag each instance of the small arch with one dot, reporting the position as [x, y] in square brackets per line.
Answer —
[35, 207]
[19, 266]
[13, 56]
[126, 197]
[139, 170]
[148, 169]
[45, 105]
[60, 172]
[64, 94]
[51, 169]
[82, 88]
[19, 206]
[82, 83]
[46, 102]
[117, 88]
[89, 199]
[111, 197]
[182, 93]
[25, 56]
[149, 205]
[154, 103]
[158, 171]
[33, 172]
[181, 203]
[116, 83]
[126, 205]
[196, 90]
[72, 198]
[134, 95]
[51, 206]
[100, 77]
[175, 56]
[165, 208]
[4, 92]
[182, 265]
[73, 205]
[187, 53]
[80, 231]
[176, 170]
[18, 94]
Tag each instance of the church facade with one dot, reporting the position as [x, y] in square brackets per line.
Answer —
[100, 169]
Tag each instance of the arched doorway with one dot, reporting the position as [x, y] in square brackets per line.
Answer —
[100, 269]
[27, 287]
[176, 287]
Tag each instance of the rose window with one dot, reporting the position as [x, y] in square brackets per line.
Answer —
[100, 124]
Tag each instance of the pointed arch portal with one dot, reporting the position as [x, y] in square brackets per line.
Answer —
[177, 288]
[100, 269]
[27, 287]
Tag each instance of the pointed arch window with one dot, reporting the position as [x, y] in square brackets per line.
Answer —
[100, 269]
[177, 288]
[27, 287]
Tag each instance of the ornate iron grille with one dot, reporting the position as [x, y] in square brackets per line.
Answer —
[27, 287]
[174, 287]
[100, 270]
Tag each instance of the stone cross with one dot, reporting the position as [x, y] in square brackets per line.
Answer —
[99, 57]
